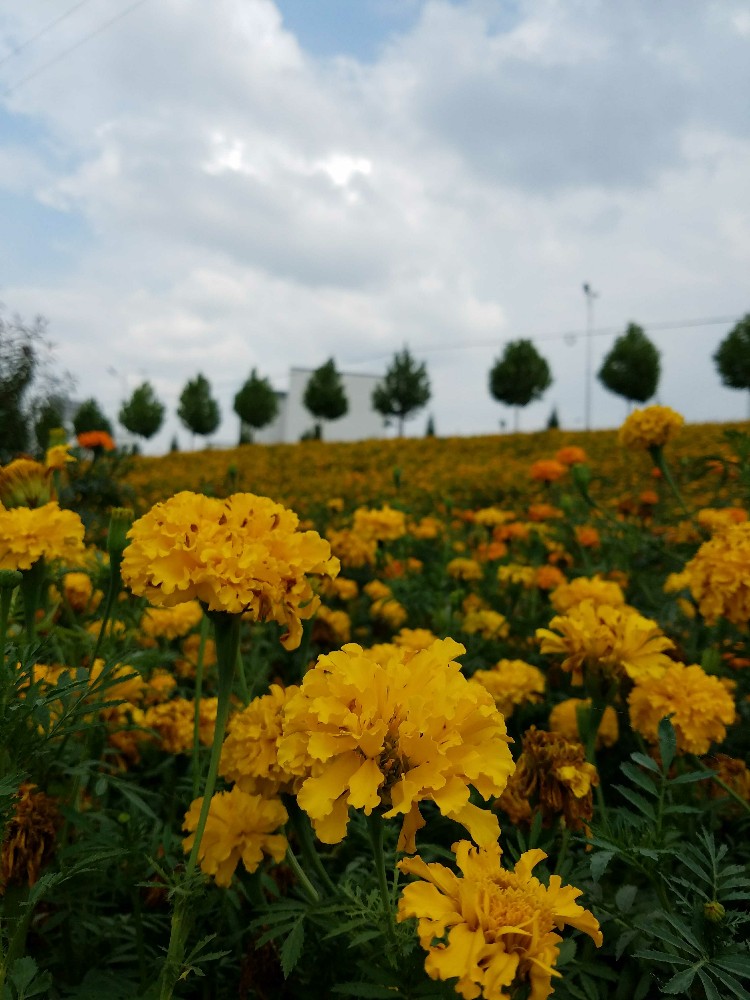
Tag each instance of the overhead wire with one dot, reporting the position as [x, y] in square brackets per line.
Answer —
[17, 49]
[72, 48]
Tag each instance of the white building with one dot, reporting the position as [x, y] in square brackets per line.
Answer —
[293, 420]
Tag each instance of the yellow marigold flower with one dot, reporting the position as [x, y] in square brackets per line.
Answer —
[240, 827]
[25, 483]
[58, 456]
[331, 628]
[428, 527]
[547, 470]
[512, 683]
[390, 611]
[242, 555]
[571, 454]
[676, 582]
[650, 427]
[464, 569]
[563, 719]
[517, 573]
[187, 664]
[699, 705]
[391, 732]
[549, 577]
[352, 549]
[29, 837]
[585, 588]
[341, 587]
[28, 535]
[130, 689]
[608, 641]
[718, 518]
[489, 517]
[171, 623]
[249, 755]
[382, 525]
[552, 775]
[79, 593]
[376, 590]
[159, 687]
[414, 638]
[172, 721]
[492, 929]
[719, 576]
[487, 623]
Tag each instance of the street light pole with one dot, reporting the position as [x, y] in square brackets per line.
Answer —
[590, 294]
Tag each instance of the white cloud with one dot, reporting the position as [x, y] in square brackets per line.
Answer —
[249, 205]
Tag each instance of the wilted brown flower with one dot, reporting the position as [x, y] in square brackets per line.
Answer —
[551, 775]
[29, 837]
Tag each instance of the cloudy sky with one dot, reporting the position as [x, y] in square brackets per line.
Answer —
[212, 186]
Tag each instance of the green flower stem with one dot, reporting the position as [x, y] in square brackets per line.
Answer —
[115, 583]
[375, 829]
[307, 887]
[301, 826]
[244, 691]
[10, 580]
[594, 715]
[31, 592]
[227, 633]
[657, 454]
[197, 705]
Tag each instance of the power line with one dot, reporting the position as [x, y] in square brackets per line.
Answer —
[72, 48]
[570, 336]
[42, 31]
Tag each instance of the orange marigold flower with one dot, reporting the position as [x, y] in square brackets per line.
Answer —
[733, 772]
[512, 683]
[547, 470]
[717, 518]
[607, 641]
[242, 555]
[96, 439]
[390, 730]
[719, 576]
[587, 537]
[699, 705]
[571, 455]
[240, 827]
[650, 427]
[543, 512]
[549, 577]
[563, 719]
[649, 498]
[492, 930]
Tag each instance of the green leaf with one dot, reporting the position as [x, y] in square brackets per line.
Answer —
[644, 761]
[682, 982]
[625, 897]
[23, 971]
[641, 804]
[637, 776]
[738, 964]
[292, 947]
[623, 941]
[711, 992]
[690, 778]
[667, 744]
[599, 863]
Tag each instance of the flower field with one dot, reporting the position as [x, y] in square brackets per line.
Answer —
[397, 719]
